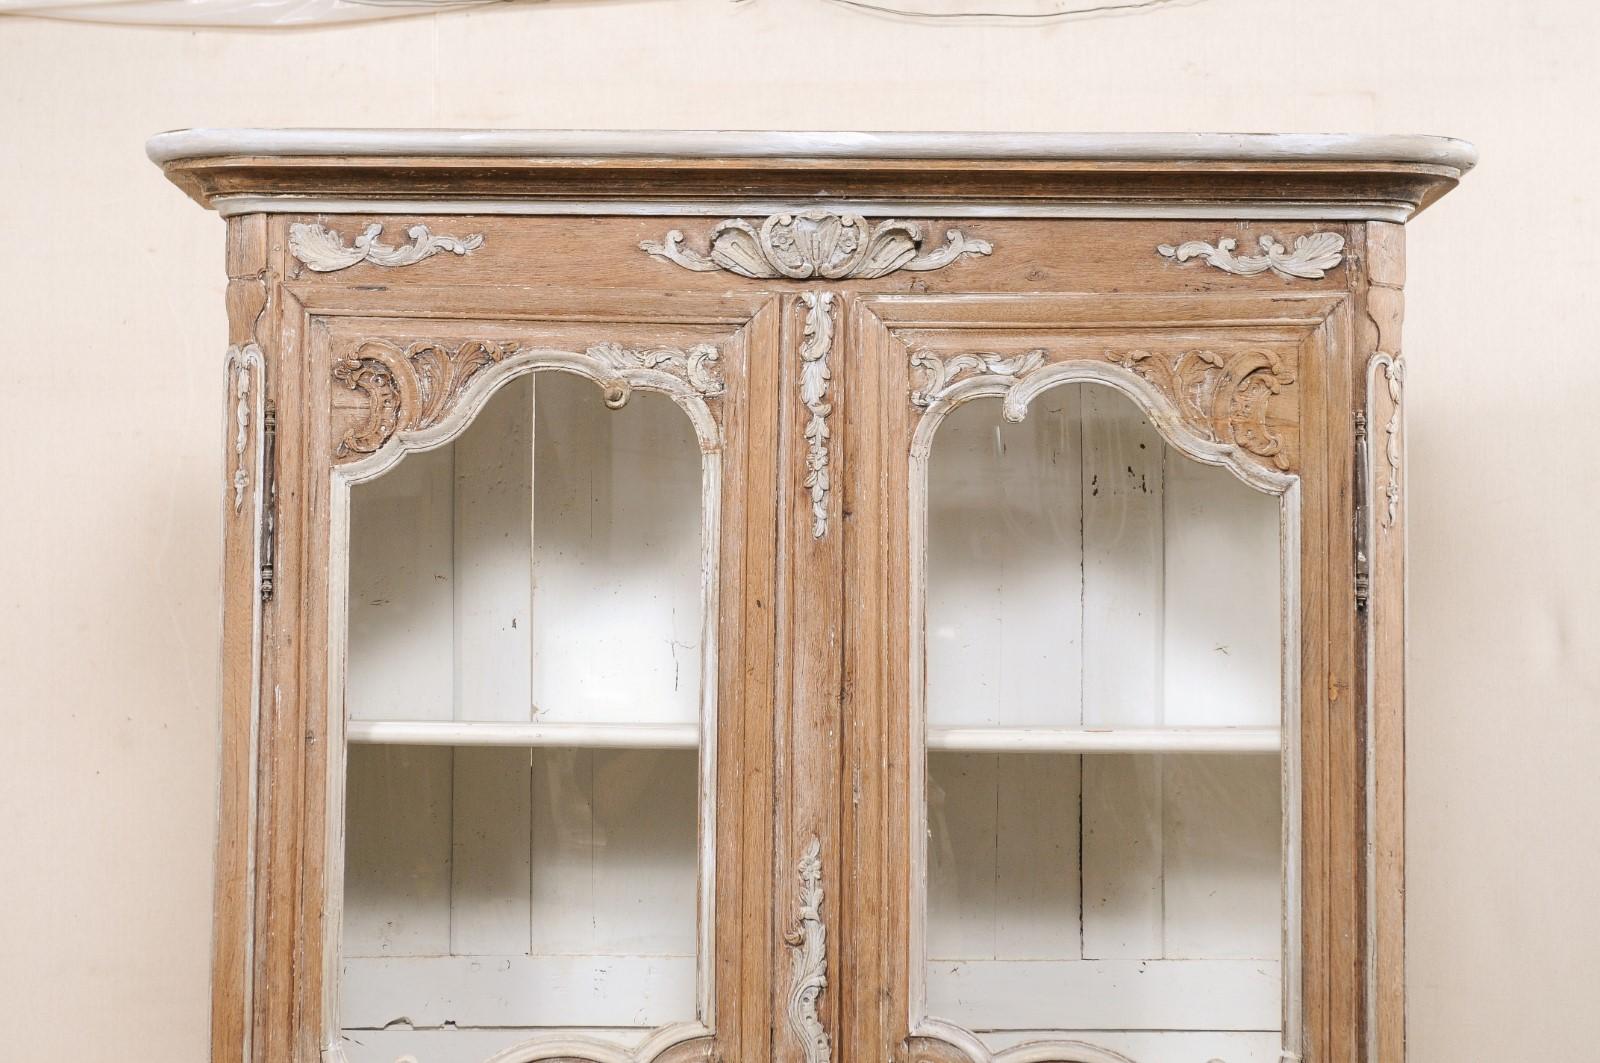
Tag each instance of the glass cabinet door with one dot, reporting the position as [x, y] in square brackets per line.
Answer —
[1103, 692]
[527, 703]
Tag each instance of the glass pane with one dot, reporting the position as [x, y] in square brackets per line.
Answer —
[523, 690]
[1103, 695]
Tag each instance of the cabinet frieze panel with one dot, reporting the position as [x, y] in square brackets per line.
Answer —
[322, 250]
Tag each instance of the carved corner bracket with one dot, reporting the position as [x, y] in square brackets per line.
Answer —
[814, 245]
[939, 374]
[1223, 399]
[808, 942]
[322, 250]
[419, 385]
[1312, 257]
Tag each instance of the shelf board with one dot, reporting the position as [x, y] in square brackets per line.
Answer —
[1105, 739]
[530, 734]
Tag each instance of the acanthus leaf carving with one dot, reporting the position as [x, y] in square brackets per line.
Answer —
[939, 373]
[815, 375]
[808, 940]
[1225, 400]
[246, 367]
[1312, 257]
[815, 244]
[417, 386]
[323, 251]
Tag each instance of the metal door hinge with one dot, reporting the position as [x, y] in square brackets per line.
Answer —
[1363, 568]
[269, 501]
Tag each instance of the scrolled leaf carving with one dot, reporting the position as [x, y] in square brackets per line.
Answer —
[323, 251]
[808, 942]
[939, 373]
[699, 365]
[1312, 257]
[815, 244]
[1223, 399]
[410, 387]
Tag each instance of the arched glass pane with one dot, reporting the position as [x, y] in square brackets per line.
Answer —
[523, 688]
[1103, 659]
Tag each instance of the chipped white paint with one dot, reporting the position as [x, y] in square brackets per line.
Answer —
[808, 942]
[324, 251]
[939, 373]
[246, 367]
[816, 243]
[1311, 258]
[814, 377]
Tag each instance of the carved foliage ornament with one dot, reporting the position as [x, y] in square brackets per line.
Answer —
[324, 251]
[1223, 398]
[815, 244]
[246, 367]
[416, 386]
[939, 373]
[814, 378]
[808, 942]
[1311, 258]
[1394, 375]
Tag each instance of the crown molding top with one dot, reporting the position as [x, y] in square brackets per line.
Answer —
[693, 172]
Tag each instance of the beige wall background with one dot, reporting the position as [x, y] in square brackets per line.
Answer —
[111, 315]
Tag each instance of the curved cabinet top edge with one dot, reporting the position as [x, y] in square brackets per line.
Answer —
[1384, 177]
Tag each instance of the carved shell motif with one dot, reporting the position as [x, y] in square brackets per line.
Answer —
[815, 244]
[1224, 399]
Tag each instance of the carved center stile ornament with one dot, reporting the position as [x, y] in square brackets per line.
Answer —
[246, 366]
[808, 944]
[814, 378]
[815, 245]
[417, 386]
[324, 251]
[1312, 257]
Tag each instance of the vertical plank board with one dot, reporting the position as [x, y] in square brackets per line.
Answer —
[563, 843]
[1223, 634]
[402, 582]
[1037, 857]
[1222, 825]
[645, 866]
[616, 557]
[1122, 570]
[1122, 857]
[397, 841]
[493, 588]
[1004, 568]
[491, 876]
[963, 835]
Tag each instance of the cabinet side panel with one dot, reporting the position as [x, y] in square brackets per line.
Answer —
[241, 663]
[1386, 648]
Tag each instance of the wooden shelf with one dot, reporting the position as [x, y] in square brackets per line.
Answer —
[575, 735]
[1105, 740]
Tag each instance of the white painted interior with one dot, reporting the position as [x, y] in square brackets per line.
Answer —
[523, 680]
[1103, 693]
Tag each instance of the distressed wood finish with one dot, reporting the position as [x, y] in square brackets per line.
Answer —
[1250, 306]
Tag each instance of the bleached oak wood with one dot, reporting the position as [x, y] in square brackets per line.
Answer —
[812, 665]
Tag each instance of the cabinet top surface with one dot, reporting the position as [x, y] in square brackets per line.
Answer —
[684, 171]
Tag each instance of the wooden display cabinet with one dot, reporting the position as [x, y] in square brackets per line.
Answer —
[827, 598]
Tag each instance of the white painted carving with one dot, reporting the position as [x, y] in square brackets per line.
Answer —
[1311, 258]
[814, 377]
[245, 366]
[819, 244]
[938, 373]
[809, 967]
[1394, 374]
[324, 251]
[698, 365]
